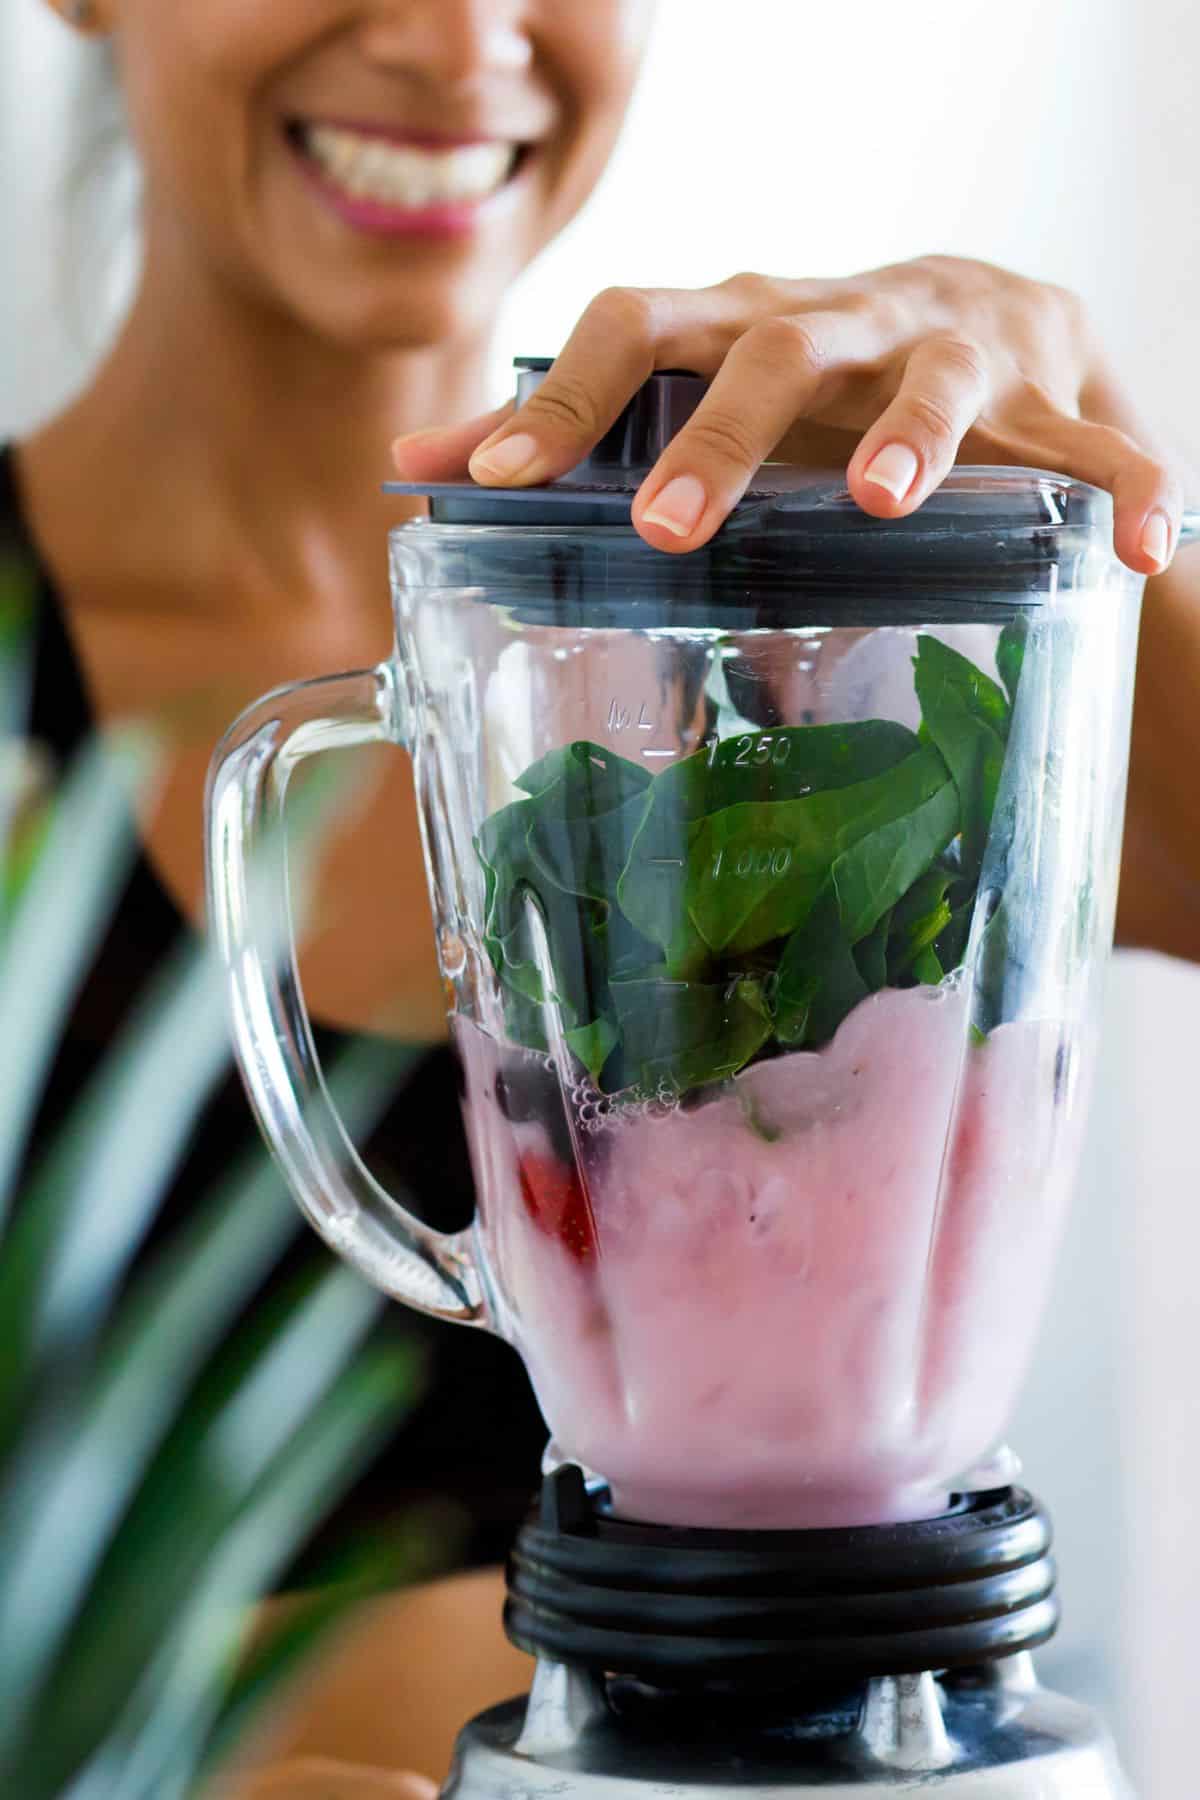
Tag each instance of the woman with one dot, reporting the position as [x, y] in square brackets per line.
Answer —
[337, 194]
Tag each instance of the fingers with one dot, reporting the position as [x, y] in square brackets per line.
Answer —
[444, 453]
[625, 334]
[912, 447]
[607, 357]
[1147, 501]
[780, 369]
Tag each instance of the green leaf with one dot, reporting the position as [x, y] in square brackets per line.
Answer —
[818, 982]
[220, 1455]
[562, 852]
[65, 1485]
[688, 1033]
[1010, 653]
[927, 968]
[967, 717]
[876, 871]
[174, 1700]
[918, 920]
[870, 954]
[655, 889]
[755, 870]
[65, 905]
[593, 1044]
[951, 944]
[587, 778]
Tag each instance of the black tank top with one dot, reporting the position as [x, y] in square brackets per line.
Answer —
[476, 1437]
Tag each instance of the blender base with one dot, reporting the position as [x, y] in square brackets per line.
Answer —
[986, 1734]
[882, 1659]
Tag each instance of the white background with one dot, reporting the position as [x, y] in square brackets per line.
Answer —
[1055, 136]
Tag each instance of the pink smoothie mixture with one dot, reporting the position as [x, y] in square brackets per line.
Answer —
[806, 1300]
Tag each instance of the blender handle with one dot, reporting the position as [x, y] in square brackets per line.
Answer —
[250, 916]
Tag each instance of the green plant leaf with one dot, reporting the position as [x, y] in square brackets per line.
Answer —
[762, 887]
[870, 954]
[967, 717]
[686, 1033]
[818, 982]
[562, 851]
[918, 920]
[755, 870]
[174, 1699]
[1010, 654]
[593, 1044]
[656, 887]
[878, 870]
[926, 967]
[274, 1379]
[51, 938]
[951, 944]
[81, 1459]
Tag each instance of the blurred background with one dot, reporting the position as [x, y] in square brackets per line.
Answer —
[1058, 137]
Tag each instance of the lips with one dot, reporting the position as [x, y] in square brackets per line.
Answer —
[404, 174]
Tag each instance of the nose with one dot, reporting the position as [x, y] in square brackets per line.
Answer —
[450, 43]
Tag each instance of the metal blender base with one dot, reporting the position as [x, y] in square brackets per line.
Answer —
[995, 1735]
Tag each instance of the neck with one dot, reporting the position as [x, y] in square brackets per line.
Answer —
[270, 441]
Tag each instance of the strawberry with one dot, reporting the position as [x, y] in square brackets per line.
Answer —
[556, 1202]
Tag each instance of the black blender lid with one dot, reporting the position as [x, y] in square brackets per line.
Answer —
[988, 503]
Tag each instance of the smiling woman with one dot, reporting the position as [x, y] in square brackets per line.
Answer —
[337, 196]
[472, 132]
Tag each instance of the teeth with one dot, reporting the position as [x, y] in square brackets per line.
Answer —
[369, 168]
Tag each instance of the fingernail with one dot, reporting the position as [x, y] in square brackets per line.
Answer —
[894, 468]
[507, 457]
[678, 507]
[1156, 538]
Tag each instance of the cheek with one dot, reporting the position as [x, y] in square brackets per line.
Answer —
[593, 55]
[194, 78]
[602, 48]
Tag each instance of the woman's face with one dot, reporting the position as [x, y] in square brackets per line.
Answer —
[377, 170]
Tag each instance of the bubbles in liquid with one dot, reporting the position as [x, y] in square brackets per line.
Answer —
[593, 1110]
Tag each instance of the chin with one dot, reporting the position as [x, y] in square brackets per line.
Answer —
[400, 313]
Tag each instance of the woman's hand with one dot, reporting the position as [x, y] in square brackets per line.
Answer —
[925, 363]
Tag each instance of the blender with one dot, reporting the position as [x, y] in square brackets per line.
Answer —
[773, 885]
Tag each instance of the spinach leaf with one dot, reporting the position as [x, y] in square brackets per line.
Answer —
[562, 850]
[951, 944]
[763, 768]
[755, 870]
[870, 954]
[749, 897]
[919, 920]
[593, 1045]
[818, 980]
[588, 778]
[926, 967]
[967, 716]
[1010, 654]
[688, 1033]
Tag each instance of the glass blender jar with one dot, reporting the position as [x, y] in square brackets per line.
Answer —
[772, 887]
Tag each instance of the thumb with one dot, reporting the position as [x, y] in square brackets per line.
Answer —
[443, 453]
